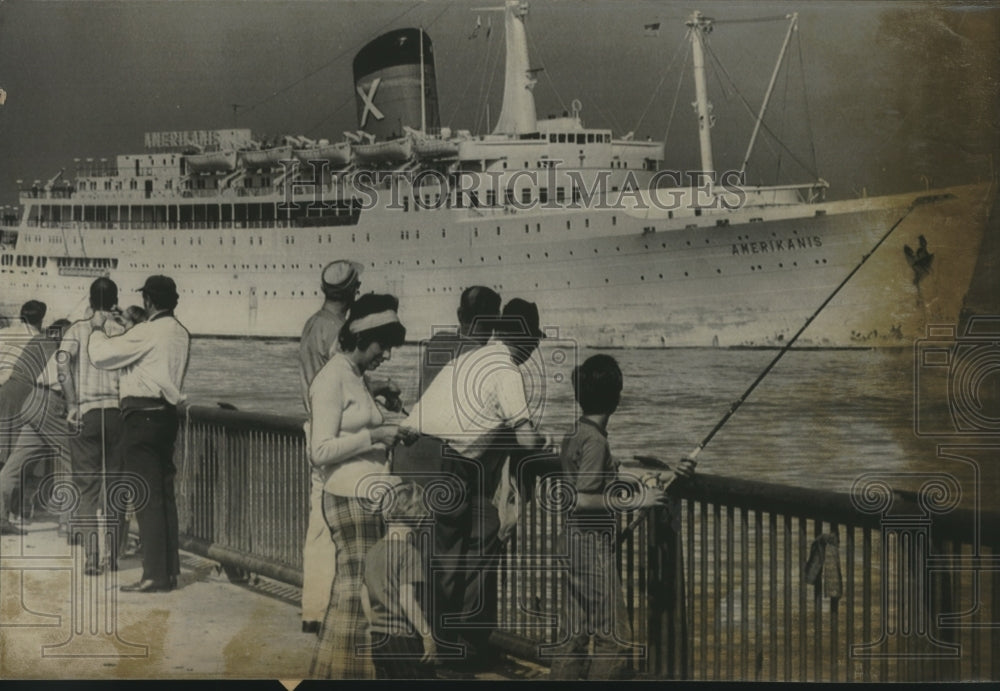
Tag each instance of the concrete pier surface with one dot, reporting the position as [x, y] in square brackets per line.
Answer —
[56, 623]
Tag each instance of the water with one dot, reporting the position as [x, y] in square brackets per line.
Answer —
[819, 419]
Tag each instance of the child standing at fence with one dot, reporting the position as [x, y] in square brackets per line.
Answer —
[593, 602]
[396, 590]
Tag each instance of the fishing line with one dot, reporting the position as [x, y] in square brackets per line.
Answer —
[781, 353]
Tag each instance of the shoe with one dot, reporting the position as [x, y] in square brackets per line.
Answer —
[147, 585]
[92, 566]
[310, 627]
[8, 528]
[112, 565]
[173, 582]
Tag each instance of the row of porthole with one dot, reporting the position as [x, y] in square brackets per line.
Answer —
[265, 293]
[740, 238]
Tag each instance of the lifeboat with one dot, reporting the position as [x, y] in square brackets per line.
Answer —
[435, 148]
[266, 158]
[212, 162]
[392, 151]
[338, 154]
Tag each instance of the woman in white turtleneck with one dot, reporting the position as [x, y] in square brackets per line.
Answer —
[348, 440]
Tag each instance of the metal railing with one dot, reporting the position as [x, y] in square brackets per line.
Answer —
[716, 586]
[243, 490]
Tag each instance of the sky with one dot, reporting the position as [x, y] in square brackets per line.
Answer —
[875, 97]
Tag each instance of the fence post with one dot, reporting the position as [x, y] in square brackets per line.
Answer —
[667, 612]
[906, 636]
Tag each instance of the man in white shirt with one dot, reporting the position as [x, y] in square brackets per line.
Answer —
[152, 358]
[470, 417]
[92, 406]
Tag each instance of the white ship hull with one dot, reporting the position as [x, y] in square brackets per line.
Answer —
[610, 279]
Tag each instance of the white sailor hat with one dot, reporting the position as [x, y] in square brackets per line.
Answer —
[342, 274]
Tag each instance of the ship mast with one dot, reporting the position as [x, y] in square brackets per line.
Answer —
[792, 25]
[697, 26]
[517, 116]
[423, 90]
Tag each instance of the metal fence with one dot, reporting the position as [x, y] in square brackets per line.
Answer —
[739, 580]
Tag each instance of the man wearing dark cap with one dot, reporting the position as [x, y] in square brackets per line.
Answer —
[92, 405]
[152, 358]
[472, 415]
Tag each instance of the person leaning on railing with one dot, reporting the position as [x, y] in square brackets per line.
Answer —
[347, 440]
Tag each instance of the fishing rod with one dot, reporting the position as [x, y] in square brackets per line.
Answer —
[926, 199]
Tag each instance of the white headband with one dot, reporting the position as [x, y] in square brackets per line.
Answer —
[373, 320]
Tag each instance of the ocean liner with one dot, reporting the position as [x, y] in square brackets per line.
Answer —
[617, 251]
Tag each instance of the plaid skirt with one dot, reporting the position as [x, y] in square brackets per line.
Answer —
[343, 649]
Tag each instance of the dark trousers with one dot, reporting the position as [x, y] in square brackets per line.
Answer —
[148, 450]
[398, 657]
[468, 550]
[97, 463]
[466, 547]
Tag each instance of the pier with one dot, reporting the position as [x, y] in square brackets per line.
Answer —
[736, 580]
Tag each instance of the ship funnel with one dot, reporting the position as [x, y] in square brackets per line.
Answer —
[395, 84]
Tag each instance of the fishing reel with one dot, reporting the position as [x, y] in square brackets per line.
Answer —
[657, 473]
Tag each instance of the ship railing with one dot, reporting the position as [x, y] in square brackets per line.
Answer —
[736, 580]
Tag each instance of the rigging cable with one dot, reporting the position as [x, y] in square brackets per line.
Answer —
[750, 110]
[805, 101]
[350, 98]
[552, 84]
[483, 98]
[673, 106]
[784, 119]
[656, 91]
[468, 82]
[322, 67]
[756, 20]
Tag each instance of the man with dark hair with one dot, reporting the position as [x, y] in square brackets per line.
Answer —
[472, 415]
[153, 359]
[15, 337]
[92, 405]
[478, 307]
[592, 603]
